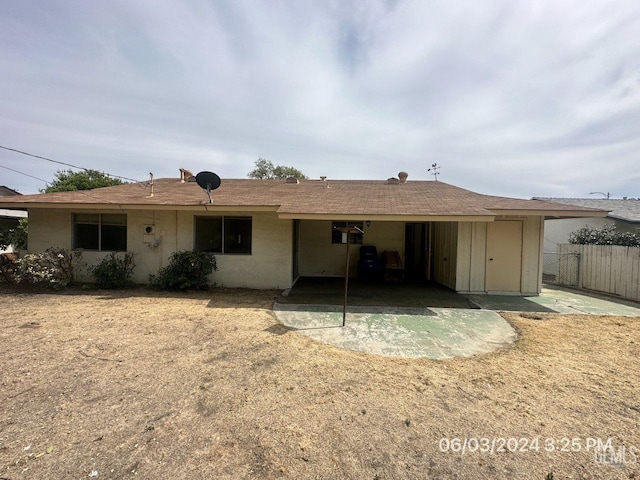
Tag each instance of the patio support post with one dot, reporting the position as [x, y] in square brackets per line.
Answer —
[346, 284]
[348, 231]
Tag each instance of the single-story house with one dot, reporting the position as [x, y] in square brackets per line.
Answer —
[268, 233]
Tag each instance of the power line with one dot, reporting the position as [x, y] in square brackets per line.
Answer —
[64, 163]
[42, 180]
[25, 174]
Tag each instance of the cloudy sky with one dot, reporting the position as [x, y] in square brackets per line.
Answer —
[517, 98]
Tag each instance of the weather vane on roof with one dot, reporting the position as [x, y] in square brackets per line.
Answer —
[434, 170]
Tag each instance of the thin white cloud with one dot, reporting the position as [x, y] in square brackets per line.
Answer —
[525, 98]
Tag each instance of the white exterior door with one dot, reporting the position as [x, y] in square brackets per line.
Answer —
[504, 256]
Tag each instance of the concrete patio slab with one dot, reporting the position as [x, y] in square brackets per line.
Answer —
[436, 333]
[558, 300]
[330, 291]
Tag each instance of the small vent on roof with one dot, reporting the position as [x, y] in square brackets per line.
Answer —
[292, 180]
[323, 178]
[186, 175]
[392, 181]
[402, 177]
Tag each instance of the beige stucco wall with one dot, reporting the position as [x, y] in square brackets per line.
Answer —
[270, 262]
[48, 228]
[268, 266]
[472, 245]
[319, 257]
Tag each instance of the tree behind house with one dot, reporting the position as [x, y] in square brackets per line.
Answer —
[70, 181]
[267, 170]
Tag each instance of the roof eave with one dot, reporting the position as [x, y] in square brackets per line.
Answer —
[386, 218]
[552, 213]
[207, 207]
[623, 219]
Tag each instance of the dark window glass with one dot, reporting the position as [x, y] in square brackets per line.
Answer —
[86, 231]
[208, 234]
[336, 234]
[86, 236]
[223, 234]
[237, 235]
[113, 232]
[105, 232]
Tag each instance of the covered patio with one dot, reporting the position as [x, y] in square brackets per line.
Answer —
[330, 291]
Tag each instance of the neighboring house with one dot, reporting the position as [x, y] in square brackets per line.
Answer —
[8, 192]
[268, 233]
[623, 213]
[9, 218]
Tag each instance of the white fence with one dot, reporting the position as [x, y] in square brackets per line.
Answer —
[603, 268]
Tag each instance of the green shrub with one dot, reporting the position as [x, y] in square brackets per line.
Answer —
[16, 236]
[186, 271]
[52, 269]
[8, 267]
[114, 271]
[607, 235]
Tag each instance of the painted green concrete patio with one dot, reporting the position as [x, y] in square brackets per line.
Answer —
[423, 330]
[436, 333]
[559, 300]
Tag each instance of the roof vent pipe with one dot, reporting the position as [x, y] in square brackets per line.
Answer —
[402, 176]
[323, 178]
[185, 175]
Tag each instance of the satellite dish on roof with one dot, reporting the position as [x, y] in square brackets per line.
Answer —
[208, 181]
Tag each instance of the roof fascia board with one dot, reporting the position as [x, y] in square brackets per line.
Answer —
[623, 219]
[114, 206]
[387, 218]
[552, 213]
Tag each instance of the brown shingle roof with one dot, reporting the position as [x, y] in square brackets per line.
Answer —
[309, 197]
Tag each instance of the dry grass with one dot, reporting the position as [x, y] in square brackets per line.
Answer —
[210, 386]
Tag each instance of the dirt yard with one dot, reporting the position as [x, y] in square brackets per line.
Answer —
[209, 385]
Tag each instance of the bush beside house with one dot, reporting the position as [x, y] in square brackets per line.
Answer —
[607, 235]
[52, 269]
[114, 271]
[187, 270]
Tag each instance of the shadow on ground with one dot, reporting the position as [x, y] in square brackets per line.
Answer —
[554, 299]
[330, 291]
